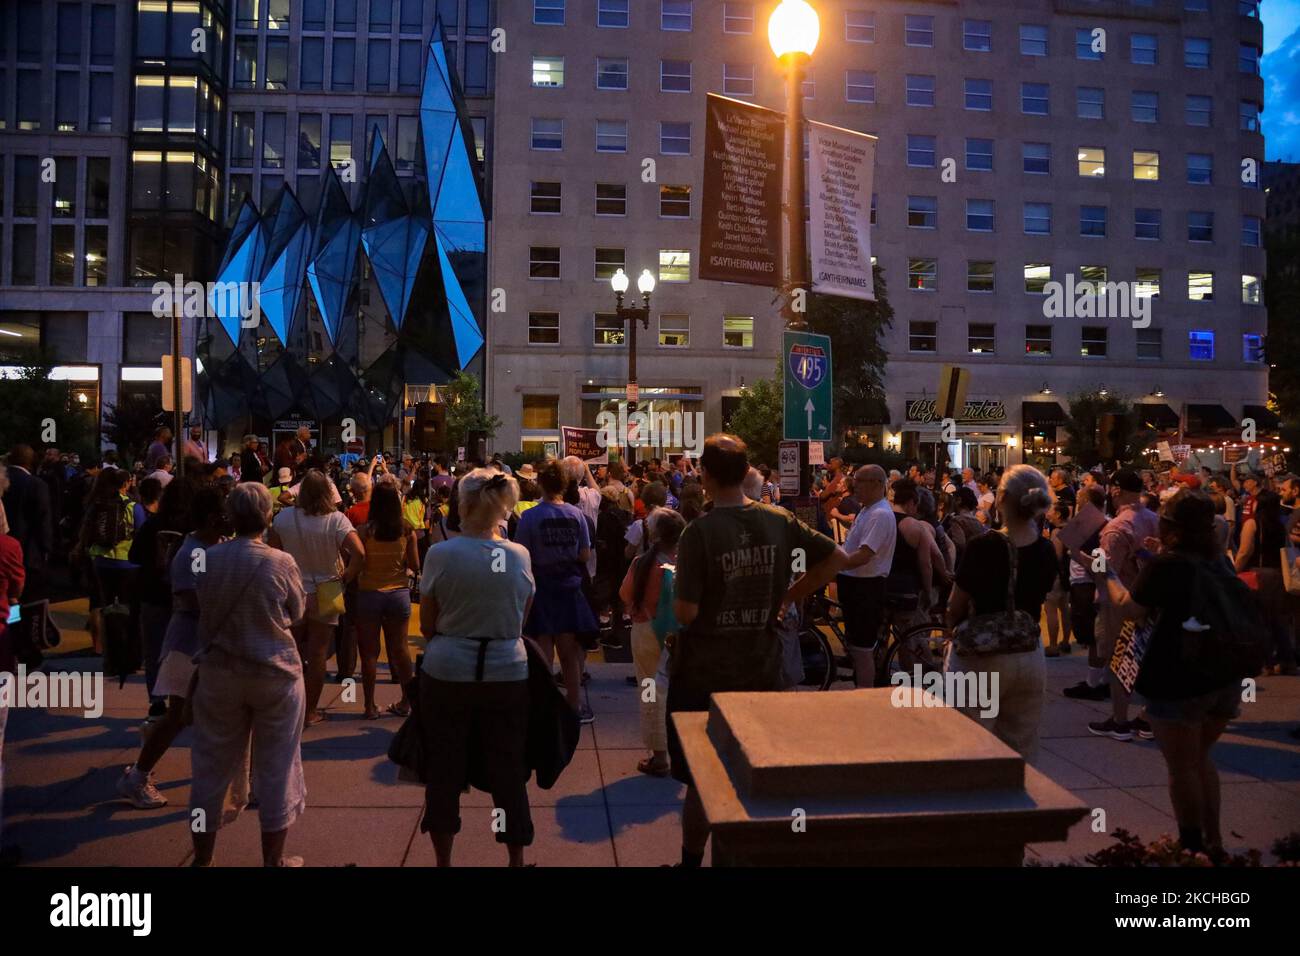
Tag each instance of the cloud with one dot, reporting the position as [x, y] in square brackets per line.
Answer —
[1281, 118]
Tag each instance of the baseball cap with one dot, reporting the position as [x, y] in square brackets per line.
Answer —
[284, 476]
[1128, 480]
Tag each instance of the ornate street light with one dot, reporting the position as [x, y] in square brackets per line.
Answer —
[631, 315]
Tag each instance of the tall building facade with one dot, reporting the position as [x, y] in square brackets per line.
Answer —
[1020, 143]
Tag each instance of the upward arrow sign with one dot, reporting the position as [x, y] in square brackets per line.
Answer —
[810, 408]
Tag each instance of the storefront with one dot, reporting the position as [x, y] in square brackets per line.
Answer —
[1041, 421]
[979, 438]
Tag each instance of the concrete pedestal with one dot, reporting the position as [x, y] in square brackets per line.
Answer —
[850, 779]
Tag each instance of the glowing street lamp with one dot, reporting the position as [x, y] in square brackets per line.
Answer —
[631, 315]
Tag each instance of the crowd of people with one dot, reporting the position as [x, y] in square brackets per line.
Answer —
[232, 586]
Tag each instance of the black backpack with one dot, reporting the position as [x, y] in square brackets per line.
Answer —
[1234, 642]
[107, 525]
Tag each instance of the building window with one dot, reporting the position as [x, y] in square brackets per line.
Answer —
[340, 139]
[1033, 99]
[1038, 219]
[918, 30]
[920, 151]
[923, 274]
[1196, 53]
[611, 136]
[1252, 348]
[674, 76]
[977, 35]
[1200, 227]
[612, 14]
[738, 331]
[1200, 286]
[1146, 165]
[922, 337]
[1036, 158]
[674, 265]
[544, 262]
[611, 73]
[675, 202]
[1143, 49]
[273, 136]
[1037, 275]
[859, 26]
[1090, 102]
[608, 329]
[920, 90]
[609, 261]
[1093, 341]
[1092, 279]
[675, 330]
[545, 12]
[1200, 345]
[311, 63]
[1147, 283]
[922, 212]
[675, 15]
[1092, 161]
[97, 187]
[344, 67]
[979, 155]
[738, 79]
[1200, 169]
[675, 139]
[979, 276]
[548, 72]
[1092, 221]
[979, 215]
[1249, 114]
[1146, 223]
[611, 199]
[979, 95]
[1198, 110]
[1250, 230]
[1150, 345]
[1144, 107]
[981, 338]
[1248, 59]
[1038, 340]
[737, 18]
[548, 134]
[859, 86]
[1033, 39]
[1088, 47]
[545, 199]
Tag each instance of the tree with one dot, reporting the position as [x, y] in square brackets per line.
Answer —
[1130, 437]
[758, 419]
[130, 424]
[39, 410]
[465, 412]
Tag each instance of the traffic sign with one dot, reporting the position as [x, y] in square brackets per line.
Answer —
[788, 467]
[808, 396]
[187, 392]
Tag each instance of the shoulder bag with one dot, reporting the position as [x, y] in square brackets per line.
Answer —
[329, 594]
[1009, 631]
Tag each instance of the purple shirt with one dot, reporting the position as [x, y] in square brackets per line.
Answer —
[554, 535]
[1122, 538]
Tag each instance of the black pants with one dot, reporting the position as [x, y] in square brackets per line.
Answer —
[863, 603]
[476, 732]
[1083, 613]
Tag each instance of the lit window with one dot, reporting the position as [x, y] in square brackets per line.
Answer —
[979, 276]
[1147, 283]
[1037, 275]
[1200, 286]
[738, 331]
[922, 212]
[1038, 340]
[674, 331]
[923, 274]
[1250, 290]
[674, 265]
[1146, 165]
[1200, 345]
[1252, 348]
[981, 338]
[608, 329]
[675, 202]
[548, 71]
[1092, 161]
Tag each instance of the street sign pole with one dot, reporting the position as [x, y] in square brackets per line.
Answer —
[177, 404]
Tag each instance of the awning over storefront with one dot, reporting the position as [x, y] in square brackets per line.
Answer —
[1043, 415]
[1264, 419]
[1209, 418]
[1158, 415]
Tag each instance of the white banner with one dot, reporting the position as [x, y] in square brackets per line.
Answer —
[840, 167]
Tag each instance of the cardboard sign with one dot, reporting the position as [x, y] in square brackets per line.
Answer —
[1087, 521]
[1130, 647]
[816, 453]
[1163, 449]
[584, 443]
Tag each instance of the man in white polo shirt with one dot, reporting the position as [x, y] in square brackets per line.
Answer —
[861, 584]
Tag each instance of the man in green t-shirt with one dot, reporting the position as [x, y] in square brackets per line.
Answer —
[734, 565]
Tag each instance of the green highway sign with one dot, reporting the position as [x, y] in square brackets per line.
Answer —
[807, 372]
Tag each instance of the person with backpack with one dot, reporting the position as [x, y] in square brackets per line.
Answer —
[647, 591]
[106, 533]
[1205, 638]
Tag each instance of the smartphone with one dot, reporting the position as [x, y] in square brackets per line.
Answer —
[15, 613]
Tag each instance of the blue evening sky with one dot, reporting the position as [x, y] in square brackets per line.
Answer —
[1281, 67]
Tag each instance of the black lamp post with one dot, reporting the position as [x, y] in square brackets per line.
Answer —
[631, 315]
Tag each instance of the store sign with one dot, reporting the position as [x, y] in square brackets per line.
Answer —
[840, 166]
[922, 411]
[740, 222]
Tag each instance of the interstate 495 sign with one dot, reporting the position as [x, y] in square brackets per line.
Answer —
[807, 374]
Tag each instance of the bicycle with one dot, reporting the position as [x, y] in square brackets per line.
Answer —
[903, 644]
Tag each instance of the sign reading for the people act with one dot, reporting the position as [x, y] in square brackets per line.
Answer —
[840, 166]
[740, 222]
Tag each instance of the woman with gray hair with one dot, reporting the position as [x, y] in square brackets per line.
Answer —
[475, 594]
[996, 603]
[250, 681]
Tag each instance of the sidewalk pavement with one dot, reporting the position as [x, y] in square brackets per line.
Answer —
[61, 805]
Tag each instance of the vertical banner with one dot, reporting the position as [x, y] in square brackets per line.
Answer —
[840, 167]
[740, 226]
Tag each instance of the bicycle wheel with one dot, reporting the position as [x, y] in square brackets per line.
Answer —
[818, 660]
[924, 644]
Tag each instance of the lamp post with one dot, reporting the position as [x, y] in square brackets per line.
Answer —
[792, 32]
[645, 284]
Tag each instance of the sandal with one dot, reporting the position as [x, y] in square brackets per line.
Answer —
[371, 714]
[398, 711]
[314, 719]
[650, 768]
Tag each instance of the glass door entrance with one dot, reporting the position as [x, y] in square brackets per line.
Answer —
[984, 457]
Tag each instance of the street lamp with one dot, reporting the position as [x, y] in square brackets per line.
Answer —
[792, 32]
[645, 284]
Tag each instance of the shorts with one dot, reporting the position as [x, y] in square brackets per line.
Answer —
[175, 671]
[313, 614]
[1222, 704]
[394, 605]
[863, 603]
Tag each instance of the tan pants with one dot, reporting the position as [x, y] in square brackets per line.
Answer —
[1022, 680]
[646, 653]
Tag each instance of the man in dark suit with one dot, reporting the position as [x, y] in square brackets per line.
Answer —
[27, 504]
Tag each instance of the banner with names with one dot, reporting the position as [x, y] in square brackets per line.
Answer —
[841, 164]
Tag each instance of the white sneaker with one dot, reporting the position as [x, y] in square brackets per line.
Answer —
[139, 789]
[290, 861]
